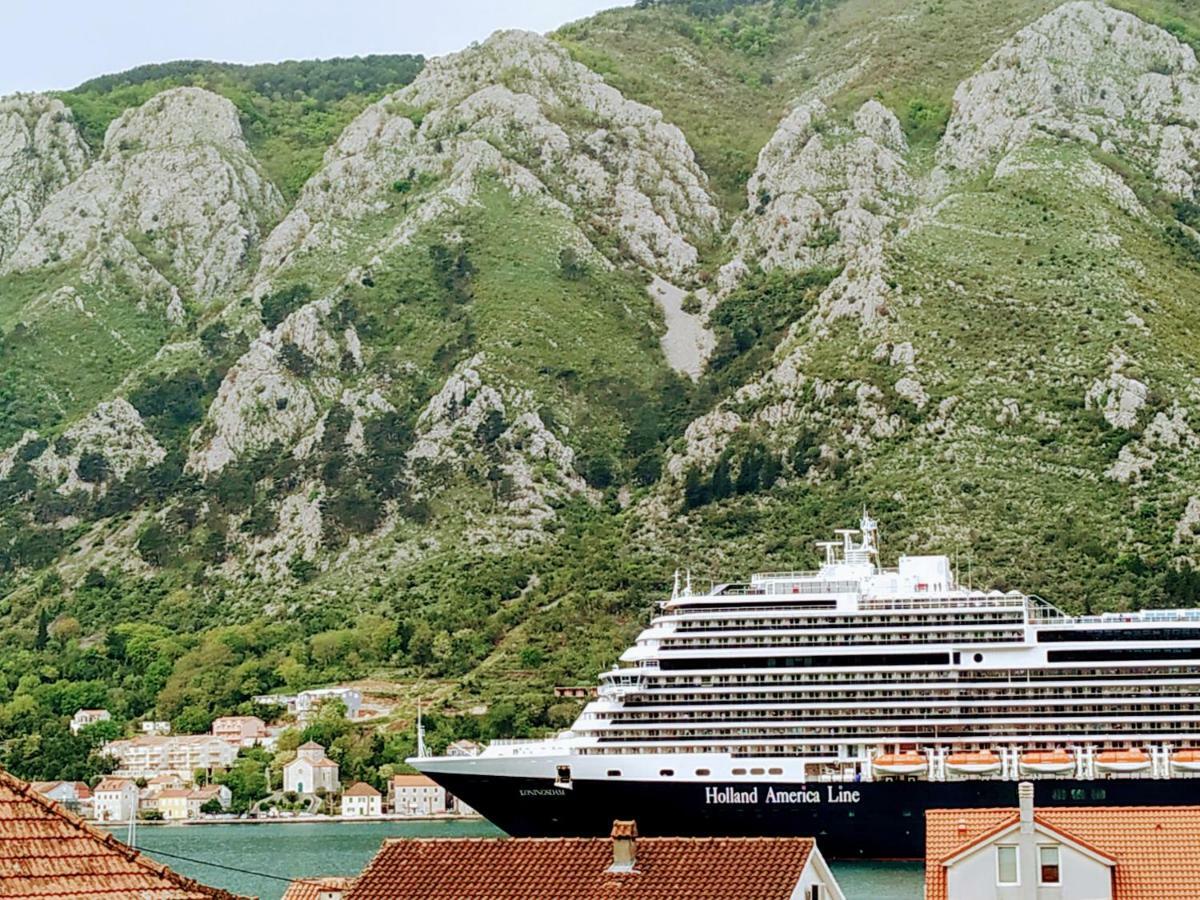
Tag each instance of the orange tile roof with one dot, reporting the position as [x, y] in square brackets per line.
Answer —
[47, 852]
[112, 784]
[361, 789]
[1157, 848]
[413, 781]
[577, 869]
[309, 888]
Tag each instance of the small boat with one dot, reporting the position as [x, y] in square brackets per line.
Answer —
[1122, 760]
[1187, 760]
[976, 762]
[901, 763]
[1048, 761]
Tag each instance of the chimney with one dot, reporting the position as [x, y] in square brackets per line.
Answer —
[624, 838]
[1025, 801]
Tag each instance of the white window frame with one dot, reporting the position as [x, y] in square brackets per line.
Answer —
[1058, 856]
[1016, 864]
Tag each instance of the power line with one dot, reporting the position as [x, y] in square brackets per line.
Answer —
[205, 862]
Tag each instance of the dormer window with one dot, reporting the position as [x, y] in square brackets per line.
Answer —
[1048, 865]
[1006, 866]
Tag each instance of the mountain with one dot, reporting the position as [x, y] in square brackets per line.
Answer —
[684, 284]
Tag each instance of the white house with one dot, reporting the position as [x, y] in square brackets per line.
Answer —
[310, 771]
[86, 717]
[1058, 854]
[156, 727]
[416, 795]
[73, 795]
[362, 801]
[115, 800]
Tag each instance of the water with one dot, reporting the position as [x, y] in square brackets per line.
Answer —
[344, 848]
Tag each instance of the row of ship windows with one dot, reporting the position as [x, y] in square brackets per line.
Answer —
[704, 773]
[861, 640]
[990, 731]
[1002, 676]
[838, 624]
[966, 693]
[1098, 711]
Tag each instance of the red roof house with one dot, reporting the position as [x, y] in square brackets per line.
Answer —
[1138, 852]
[659, 868]
[47, 852]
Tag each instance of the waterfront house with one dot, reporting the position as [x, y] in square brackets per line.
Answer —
[201, 796]
[1064, 853]
[310, 771]
[416, 795]
[114, 800]
[241, 731]
[174, 804]
[49, 852]
[362, 801]
[326, 888]
[70, 794]
[85, 717]
[148, 755]
[660, 868]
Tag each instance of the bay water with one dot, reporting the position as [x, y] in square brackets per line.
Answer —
[257, 860]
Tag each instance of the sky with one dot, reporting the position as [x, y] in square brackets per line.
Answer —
[56, 44]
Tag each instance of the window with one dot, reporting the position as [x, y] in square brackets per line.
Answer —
[1048, 865]
[756, 772]
[666, 773]
[814, 892]
[739, 771]
[614, 773]
[703, 772]
[1006, 865]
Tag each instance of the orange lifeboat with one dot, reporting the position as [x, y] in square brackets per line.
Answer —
[900, 763]
[976, 762]
[1122, 760]
[1187, 760]
[1048, 762]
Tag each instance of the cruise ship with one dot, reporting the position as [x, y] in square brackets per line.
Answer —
[843, 703]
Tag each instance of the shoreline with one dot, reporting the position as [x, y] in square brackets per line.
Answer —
[291, 820]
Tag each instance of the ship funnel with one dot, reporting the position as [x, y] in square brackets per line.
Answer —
[624, 838]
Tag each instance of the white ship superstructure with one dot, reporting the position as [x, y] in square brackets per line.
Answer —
[856, 673]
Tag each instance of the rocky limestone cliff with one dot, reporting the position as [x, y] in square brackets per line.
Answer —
[823, 194]
[518, 107]
[40, 151]
[175, 198]
[1089, 73]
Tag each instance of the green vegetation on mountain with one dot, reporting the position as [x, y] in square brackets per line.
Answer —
[291, 111]
[381, 392]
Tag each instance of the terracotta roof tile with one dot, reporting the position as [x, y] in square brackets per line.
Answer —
[1157, 848]
[112, 784]
[361, 789]
[577, 869]
[49, 853]
[413, 781]
[309, 888]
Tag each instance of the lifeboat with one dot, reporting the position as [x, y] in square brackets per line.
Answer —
[978, 762]
[1050, 762]
[1122, 760]
[1187, 760]
[900, 764]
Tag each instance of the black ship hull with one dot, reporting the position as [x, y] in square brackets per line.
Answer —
[850, 820]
